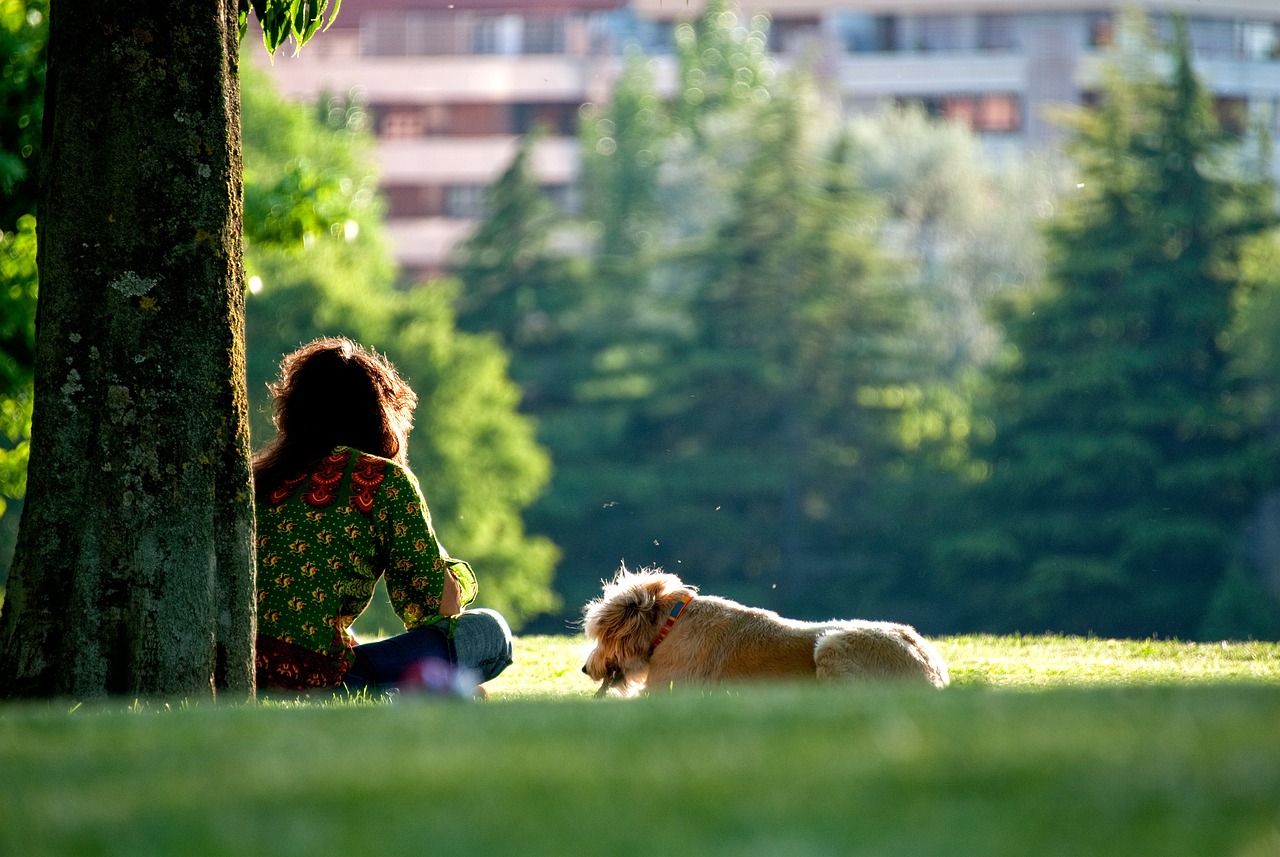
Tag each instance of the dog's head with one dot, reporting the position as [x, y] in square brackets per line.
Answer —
[624, 621]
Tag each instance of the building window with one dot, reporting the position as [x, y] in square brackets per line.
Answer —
[987, 113]
[793, 35]
[433, 35]
[484, 36]
[565, 197]
[860, 33]
[939, 33]
[400, 123]
[543, 36]
[1260, 41]
[560, 119]
[407, 121]
[382, 35]
[496, 34]
[461, 201]
[477, 120]
[1211, 39]
[652, 37]
[1101, 30]
[998, 114]
[465, 201]
[413, 34]
[1224, 39]
[995, 33]
[406, 201]
[1232, 113]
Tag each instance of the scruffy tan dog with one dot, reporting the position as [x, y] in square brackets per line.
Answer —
[650, 629]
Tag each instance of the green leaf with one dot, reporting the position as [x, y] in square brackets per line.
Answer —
[337, 4]
[299, 16]
[312, 25]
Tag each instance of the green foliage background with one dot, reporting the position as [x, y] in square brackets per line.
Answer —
[325, 269]
[315, 249]
[1129, 447]
[843, 370]
[828, 366]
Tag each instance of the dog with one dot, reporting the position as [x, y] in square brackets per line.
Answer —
[651, 630]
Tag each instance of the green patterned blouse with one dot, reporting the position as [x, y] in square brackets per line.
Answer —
[324, 539]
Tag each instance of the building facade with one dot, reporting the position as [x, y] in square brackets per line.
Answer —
[452, 86]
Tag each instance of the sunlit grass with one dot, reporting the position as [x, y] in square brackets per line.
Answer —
[551, 666]
[1043, 746]
[1049, 661]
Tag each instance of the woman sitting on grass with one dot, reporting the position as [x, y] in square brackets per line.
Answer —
[337, 509]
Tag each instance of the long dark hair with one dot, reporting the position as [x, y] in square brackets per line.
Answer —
[333, 392]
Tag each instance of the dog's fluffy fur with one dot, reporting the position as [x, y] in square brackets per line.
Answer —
[716, 639]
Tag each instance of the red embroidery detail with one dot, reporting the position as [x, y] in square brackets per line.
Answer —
[323, 489]
[287, 666]
[285, 490]
[367, 478]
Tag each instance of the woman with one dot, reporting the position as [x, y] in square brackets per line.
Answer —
[337, 509]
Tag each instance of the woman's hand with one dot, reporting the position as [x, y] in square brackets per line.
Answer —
[451, 601]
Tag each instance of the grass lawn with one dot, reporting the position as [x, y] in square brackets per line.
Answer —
[1042, 746]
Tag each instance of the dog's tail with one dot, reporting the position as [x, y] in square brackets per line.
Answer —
[879, 650]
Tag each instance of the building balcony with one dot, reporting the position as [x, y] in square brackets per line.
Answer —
[878, 75]
[473, 160]
[444, 79]
[424, 244]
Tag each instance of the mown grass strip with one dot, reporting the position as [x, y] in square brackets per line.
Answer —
[1012, 760]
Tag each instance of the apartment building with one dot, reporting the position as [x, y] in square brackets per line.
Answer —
[452, 84]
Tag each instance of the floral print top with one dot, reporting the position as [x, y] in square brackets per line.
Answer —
[324, 539]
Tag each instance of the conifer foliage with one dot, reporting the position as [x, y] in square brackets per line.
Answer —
[1126, 452]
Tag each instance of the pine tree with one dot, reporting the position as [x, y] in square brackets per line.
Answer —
[516, 286]
[1126, 453]
[758, 425]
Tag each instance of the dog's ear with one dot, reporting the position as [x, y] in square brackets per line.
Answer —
[625, 616]
[638, 610]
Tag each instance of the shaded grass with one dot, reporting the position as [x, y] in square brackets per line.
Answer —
[1044, 746]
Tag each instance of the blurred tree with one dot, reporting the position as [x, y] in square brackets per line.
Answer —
[518, 287]
[521, 282]
[965, 227]
[760, 422]
[755, 321]
[965, 230]
[622, 145]
[17, 330]
[24, 32]
[331, 273]
[1127, 453]
[745, 375]
[721, 64]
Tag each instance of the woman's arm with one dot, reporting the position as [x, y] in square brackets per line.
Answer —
[451, 602]
[424, 582]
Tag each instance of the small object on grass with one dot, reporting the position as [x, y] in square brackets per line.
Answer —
[612, 680]
[437, 677]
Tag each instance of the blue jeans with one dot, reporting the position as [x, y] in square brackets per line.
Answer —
[481, 643]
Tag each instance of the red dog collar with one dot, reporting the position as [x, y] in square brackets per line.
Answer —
[671, 620]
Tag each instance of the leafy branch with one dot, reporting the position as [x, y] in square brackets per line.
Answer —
[282, 20]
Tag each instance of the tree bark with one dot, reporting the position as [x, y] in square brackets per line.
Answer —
[134, 571]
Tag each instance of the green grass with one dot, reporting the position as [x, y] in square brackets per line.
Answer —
[1043, 746]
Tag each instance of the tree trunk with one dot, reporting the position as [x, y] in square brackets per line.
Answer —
[134, 571]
